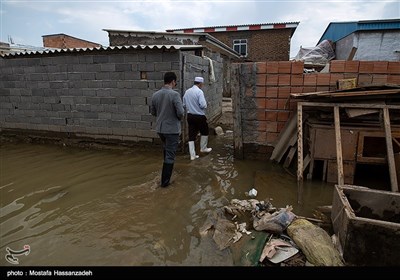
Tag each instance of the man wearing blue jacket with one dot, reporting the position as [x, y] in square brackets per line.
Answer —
[166, 105]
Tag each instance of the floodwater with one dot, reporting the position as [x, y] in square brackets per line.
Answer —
[77, 207]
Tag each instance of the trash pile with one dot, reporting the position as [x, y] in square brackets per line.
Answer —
[263, 235]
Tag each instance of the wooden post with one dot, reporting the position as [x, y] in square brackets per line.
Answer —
[339, 158]
[389, 147]
[299, 153]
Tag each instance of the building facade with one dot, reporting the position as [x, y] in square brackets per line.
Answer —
[372, 40]
[255, 42]
[63, 41]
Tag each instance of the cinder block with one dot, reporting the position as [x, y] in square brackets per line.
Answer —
[123, 67]
[123, 100]
[107, 67]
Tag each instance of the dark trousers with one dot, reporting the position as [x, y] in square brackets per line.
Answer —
[197, 123]
[170, 145]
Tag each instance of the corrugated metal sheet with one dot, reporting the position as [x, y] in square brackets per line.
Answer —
[338, 30]
[241, 25]
[110, 48]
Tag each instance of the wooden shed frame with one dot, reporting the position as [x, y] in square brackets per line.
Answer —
[339, 159]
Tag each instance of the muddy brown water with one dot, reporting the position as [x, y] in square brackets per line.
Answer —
[77, 207]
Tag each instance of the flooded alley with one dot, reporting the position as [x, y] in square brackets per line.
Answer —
[89, 207]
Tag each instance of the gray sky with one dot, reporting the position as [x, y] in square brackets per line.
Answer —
[26, 21]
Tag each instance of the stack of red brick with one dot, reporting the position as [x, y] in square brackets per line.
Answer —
[275, 81]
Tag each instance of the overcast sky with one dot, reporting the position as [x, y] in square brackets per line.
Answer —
[26, 21]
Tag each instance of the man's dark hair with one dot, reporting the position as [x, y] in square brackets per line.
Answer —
[169, 77]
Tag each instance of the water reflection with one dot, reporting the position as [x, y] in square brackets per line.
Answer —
[86, 207]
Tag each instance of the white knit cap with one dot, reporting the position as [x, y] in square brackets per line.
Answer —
[199, 79]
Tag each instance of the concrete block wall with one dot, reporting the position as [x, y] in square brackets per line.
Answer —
[213, 90]
[100, 95]
[265, 87]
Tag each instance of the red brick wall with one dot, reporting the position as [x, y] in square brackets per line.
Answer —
[269, 95]
[62, 42]
[263, 45]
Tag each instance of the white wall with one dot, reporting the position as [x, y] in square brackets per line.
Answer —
[371, 45]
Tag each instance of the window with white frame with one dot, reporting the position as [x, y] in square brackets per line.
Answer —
[240, 45]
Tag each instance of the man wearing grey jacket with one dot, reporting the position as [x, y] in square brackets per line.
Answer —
[166, 105]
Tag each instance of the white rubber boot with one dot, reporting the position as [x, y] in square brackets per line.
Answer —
[192, 151]
[203, 144]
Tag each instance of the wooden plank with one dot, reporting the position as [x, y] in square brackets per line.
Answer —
[339, 158]
[307, 161]
[345, 93]
[310, 170]
[299, 153]
[290, 156]
[351, 112]
[396, 142]
[390, 154]
[324, 170]
[312, 149]
[349, 105]
[236, 89]
[352, 53]
[289, 132]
